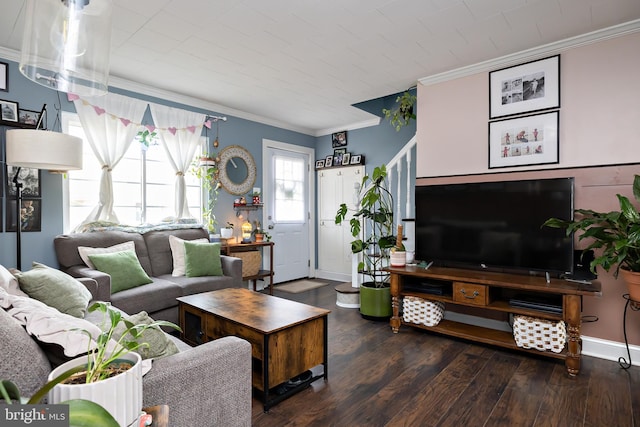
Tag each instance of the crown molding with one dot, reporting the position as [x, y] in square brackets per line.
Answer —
[358, 125]
[534, 53]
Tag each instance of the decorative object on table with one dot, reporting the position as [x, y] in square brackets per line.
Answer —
[68, 35]
[357, 159]
[615, 235]
[398, 255]
[328, 161]
[525, 88]
[524, 141]
[110, 375]
[4, 77]
[247, 229]
[227, 231]
[403, 113]
[372, 227]
[260, 233]
[319, 164]
[38, 149]
[9, 111]
[237, 170]
[339, 139]
[255, 196]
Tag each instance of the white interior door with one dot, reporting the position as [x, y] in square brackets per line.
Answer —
[287, 211]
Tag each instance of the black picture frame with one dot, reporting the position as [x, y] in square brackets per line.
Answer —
[32, 215]
[526, 88]
[8, 111]
[346, 158]
[4, 77]
[28, 117]
[357, 159]
[525, 141]
[29, 177]
[339, 139]
[319, 164]
[328, 161]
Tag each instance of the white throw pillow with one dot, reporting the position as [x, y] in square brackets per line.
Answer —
[9, 283]
[178, 253]
[85, 251]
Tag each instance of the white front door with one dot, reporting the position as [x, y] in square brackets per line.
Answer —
[287, 209]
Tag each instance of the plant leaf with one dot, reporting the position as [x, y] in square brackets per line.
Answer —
[84, 413]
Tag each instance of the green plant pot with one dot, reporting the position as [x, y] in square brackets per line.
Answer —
[375, 303]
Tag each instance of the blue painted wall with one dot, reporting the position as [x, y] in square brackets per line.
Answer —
[379, 144]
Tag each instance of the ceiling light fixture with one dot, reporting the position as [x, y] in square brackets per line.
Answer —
[66, 45]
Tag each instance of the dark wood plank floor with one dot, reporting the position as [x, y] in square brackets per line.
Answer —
[416, 378]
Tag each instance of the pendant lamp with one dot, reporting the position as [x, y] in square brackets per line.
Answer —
[66, 45]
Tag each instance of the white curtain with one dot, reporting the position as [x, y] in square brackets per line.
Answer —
[180, 135]
[109, 124]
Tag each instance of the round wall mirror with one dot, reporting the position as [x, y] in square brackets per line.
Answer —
[237, 170]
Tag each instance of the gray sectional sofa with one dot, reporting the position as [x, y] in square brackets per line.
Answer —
[154, 253]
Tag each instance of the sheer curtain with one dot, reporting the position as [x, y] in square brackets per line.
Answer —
[180, 135]
[109, 124]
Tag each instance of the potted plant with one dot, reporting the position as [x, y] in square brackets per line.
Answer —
[402, 114]
[111, 373]
[227, 231]
[616, 236]
[375, 218]
[259, 233]
[205, 168]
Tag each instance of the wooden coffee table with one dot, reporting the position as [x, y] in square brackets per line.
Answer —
[287, 338]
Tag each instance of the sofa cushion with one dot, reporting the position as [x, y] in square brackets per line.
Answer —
[202, 259]
[123, 267]
[178, 253]
[157, 243]
[196, 285]
[85, 251]
[156, 296]
[55, 289]
[158, 343]
[9, 283]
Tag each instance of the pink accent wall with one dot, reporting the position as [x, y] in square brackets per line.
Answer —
[599, 126]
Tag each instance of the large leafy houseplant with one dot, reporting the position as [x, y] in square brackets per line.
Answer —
[614, 235]
[205, 168]
[375, 217]
[403, 113]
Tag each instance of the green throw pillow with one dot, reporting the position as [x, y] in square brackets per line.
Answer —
[159, 343]
[202, 259]
[56, 289]
[123, 267]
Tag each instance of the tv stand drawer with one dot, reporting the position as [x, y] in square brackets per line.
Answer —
[470, 293]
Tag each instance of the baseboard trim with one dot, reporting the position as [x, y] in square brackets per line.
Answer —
[609, 350]
[329, 275]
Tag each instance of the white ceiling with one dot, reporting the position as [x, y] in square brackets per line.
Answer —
[301, 64]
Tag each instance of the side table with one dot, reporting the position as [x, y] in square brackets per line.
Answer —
[231, 248]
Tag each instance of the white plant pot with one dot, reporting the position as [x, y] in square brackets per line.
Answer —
[121, 395]
[226, 233]
[398, 259]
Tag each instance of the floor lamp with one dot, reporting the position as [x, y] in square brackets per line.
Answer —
[39, 149]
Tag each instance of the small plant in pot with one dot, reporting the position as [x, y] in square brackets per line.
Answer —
[205, 168]
[614, 235]
[111, 373]
[260, 233]
[372, 227]
[227, 231]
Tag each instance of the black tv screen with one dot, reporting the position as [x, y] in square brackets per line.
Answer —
[495, 225]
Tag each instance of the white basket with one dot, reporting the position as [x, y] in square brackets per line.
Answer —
[422, 312]
[540, 334]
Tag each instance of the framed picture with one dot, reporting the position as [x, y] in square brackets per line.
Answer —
[4, 76]
[524, 141]
[525, 88]
[339, 139]
[346, 157]
[328, 161]
[8, 111]
[30, 215]
[28, 117]
[357, 159]
[319, 164]
[30, 179]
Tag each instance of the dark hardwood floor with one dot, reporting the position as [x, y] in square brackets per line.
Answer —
[416, 378]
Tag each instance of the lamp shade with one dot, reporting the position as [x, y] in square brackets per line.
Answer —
[66, 45]
[40, 149]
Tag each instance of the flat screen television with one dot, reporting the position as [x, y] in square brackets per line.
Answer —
[496, 225]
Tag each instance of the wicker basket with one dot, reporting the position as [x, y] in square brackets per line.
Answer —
[251, 261]
[422, 312]
[541, 334]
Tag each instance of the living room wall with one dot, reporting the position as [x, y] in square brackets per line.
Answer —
[38, 246]
[599, 115]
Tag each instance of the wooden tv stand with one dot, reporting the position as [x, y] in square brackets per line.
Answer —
[493, 291]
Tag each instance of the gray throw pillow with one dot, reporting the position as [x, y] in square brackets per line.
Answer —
[159, 343]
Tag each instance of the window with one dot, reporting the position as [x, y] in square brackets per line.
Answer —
[143, 183]
[289, 189]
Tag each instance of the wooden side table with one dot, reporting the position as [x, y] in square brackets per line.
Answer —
[231, 248]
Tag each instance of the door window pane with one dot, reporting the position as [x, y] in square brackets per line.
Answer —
[289, 189]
